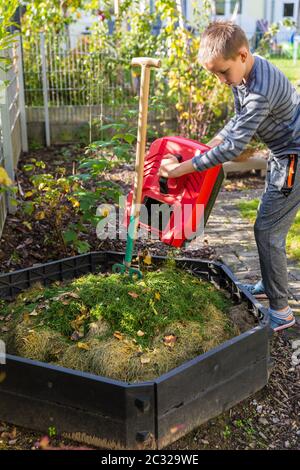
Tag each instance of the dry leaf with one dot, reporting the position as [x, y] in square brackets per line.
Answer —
[26, 318]
[118, 335]
[157, 295]
[170, 340]
[4, 329]
[34, 313]
[2, 318]
[140, 333]
[133, 294]
[66, 294]
[2, 376]
[40, 215]
[83, 346]
[147, 259]
[75, 336]
[13, 433]
[44, 442]
[145, 360]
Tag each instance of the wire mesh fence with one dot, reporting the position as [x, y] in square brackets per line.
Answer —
[79, 71]
[82, 78]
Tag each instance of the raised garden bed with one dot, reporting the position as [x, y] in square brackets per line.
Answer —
[110, 413]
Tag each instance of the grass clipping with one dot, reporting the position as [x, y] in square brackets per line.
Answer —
[115, 327]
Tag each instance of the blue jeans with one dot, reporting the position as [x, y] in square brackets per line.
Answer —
[276, 213]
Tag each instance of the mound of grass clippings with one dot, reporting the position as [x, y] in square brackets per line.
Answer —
[115, 327]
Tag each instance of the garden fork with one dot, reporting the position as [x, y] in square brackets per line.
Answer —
[146, 63]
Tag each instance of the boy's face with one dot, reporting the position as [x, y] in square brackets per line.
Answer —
[230, 71]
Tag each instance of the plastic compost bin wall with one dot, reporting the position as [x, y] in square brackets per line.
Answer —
[111, 413]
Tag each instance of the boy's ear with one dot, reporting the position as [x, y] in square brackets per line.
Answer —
[243, 54]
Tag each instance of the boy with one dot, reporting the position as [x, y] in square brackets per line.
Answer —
[266, 104]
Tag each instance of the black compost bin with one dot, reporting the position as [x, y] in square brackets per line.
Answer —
[111, 413]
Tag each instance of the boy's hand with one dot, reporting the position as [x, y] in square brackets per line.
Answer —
[168, 166]
[215, 142]
[171, 168]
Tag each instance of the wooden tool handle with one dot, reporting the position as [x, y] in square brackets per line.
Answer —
[146, 62]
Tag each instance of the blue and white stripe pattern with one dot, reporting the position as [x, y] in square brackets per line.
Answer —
[267, 106]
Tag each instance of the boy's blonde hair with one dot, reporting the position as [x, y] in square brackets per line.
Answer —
[221, 38]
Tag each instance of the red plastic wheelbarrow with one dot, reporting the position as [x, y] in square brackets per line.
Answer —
[176, 210]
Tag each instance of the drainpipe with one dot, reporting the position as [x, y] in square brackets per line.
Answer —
[266, 9]
[272, 11]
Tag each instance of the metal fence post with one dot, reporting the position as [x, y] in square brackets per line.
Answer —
[8, 152]
[22, 96]
[45, 89]
[295, 51]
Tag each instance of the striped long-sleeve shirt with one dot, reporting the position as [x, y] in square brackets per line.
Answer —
[268, 106]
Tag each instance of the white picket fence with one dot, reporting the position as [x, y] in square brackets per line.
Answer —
[13, 132]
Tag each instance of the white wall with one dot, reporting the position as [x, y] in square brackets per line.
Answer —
[275, 10]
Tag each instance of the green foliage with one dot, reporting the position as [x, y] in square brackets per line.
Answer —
[106, 74]
[7, 10]
[66, 202]
[266, 44]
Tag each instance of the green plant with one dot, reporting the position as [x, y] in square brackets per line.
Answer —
[267, 42]
[7, 10]
[67, 204]
[227, 432]
[51, 431]
[101, 69]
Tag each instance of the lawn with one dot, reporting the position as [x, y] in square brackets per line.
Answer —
[288, 68]
[249, 209]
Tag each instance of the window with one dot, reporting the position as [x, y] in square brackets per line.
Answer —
[220, 7]
[288, 9]
[226, 7]
[232, 6]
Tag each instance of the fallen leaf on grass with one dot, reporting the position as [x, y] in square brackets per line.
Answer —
[118, 335]
[60, 297]
[133, 294]
[140, 333]
[170, 340]
[145, 360]
[83, 346]
[75, 336]
[147, 260]
[34, 313]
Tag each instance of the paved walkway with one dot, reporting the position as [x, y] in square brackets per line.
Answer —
[233, 238]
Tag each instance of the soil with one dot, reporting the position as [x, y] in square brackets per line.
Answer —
[268, 420]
